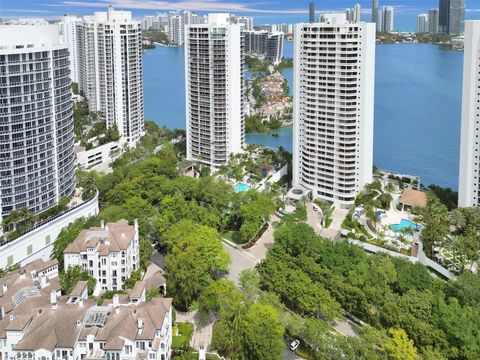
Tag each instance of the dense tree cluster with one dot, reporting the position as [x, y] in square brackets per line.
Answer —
[407, 307]
[245, 329]
[457, 231]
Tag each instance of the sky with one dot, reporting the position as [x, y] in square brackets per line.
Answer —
[264, 11]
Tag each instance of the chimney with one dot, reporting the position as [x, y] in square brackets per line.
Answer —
[79, 323]
[5, 288]
[140, 325]
[102, 224]
[43, 281]
[80, 303]
[53, 299]
[116, 303]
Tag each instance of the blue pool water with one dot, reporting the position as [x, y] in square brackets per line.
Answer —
[403, 224]
[241, 187]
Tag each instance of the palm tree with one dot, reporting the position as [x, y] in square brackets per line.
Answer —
[12, 219]
[457, 219]
[390, 187]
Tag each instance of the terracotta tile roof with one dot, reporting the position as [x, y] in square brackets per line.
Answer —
[412, 197]
[118, 237]
[78, 289]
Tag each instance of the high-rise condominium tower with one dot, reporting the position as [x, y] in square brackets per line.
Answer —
[469, 185]
[110, 68]
[37, 161]
[422, 24]
[214, 90]
[456, 24]
[433, 21]
[68, 30]
[375, 18]
[176, 26]
[387, 19]
[334, 71]
[311, 12]
[443, 16]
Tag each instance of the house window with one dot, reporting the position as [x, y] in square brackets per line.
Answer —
[10, 260]
[152, 356]
[29, 249]
[47, 239]
[128, 349]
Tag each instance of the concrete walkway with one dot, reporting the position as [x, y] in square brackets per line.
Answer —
[202, 335]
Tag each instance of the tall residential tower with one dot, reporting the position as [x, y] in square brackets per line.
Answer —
[375, 18]
[37, 161]
[469, 186]
[387, 19]
[110, 70]
[334, 73]
[214, 90]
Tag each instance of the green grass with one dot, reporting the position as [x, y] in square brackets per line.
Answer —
[233, 236]
[182, 339]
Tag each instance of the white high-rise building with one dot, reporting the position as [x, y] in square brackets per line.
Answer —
[357, 13]
[334, 80]
[214, 90]
[433, 20]
[176, 27]
[469, 185]
[354, 14]
[110, 70]
[68, 30]
[422, 24]
[387, 19]
[37, 160]
[247, 22]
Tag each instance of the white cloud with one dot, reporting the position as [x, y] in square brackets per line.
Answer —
[199, 5]
[28, 11]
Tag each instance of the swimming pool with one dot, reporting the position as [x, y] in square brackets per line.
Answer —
[404, 224]
[241, 187]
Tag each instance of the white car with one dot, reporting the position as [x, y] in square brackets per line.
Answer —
[294, 345]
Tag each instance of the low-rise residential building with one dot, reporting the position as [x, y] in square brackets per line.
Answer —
[36, 279]
[109, 253]
[49, 327]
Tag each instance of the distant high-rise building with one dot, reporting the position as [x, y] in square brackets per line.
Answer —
[311, 13]
[375, 17]
[349, 14]
[176, 27]
[247, 22]
[357, 13]
[37, 159]
[264, 44]
[469, 185]
[214, 90]
[68, 31]
[433, 19]
[443, 16]
[387, 19]
[456, 25]
[422, 24]
[354, 14]
[111, 70]
[333, 122]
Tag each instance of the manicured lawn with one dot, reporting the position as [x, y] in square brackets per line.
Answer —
[181, 339]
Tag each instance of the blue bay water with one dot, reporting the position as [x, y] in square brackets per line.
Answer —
[417, 107]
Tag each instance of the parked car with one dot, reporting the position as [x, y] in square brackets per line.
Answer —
[295, 344]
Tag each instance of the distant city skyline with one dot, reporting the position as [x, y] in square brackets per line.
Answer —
[282, 11]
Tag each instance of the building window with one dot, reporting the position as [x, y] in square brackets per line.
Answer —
[47, 239]
[29, 249]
